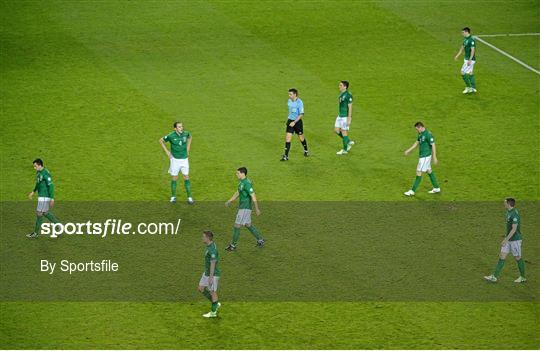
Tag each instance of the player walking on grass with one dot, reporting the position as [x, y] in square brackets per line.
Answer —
[180, 140]
[511, 242]
[209, 282]
[243, 218]
[469, 46]
[344, 118]
[427, 152]
[45, 189]
[294, 123]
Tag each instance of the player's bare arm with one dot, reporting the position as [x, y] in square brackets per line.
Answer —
[349, 117]
[434, 153]
[189, 144]
[167, 152]
[296, 120]
[459, 53]
[234, 197]
[469, 61]
[408, 151]
[256, 204]
[211, 273]
[510, 235]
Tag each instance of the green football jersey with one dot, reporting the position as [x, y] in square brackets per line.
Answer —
[211, 254]
[345, 98]
[44, 184]
[178, 143]
[426, 141]
[469, 43]
[512, 217]
[245, 189]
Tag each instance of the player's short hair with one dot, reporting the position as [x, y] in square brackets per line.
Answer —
[242, 170]
[38, 162]
[176, 123]
[345, 83]
[209, 234]
[467, 29]
[294, 91]
[419, 124]
[511, 201]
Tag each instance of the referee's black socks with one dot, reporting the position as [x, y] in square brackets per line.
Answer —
[304, 143]
[287, 148]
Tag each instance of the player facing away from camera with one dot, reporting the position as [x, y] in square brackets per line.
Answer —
[45, 189]
[469, 46]
[511, 242]
[428, 152]
[294, 123]
[208, 285]
[247, 199]
[344, 118]
[180, 141]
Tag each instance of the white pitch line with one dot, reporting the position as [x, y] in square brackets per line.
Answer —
[508, 55]
[507, 35]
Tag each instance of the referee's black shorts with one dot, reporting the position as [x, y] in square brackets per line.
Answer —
[298, 127]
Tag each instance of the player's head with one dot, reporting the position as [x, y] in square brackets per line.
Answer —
[38, 164]
[419, 127]
[178, 126]
[510, 202]
[343, 85]
[466, 31]
[241, 172]
[293, 93]
[207, 236]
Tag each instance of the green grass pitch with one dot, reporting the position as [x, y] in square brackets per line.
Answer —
[91, 86]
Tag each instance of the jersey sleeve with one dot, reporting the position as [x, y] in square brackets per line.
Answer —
[188, 135]
[431, 140]
[167, 138]
[472, 43]
[349, 99]
[250, 189]
[50, 185]
[300, 107]
[213, 255]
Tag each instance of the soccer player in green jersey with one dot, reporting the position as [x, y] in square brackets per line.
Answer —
[45, 189]
[469, 46]
[344, 118]
[243, 218]
[209, 282]
[511, 242]
[180, 140]
[428, 151]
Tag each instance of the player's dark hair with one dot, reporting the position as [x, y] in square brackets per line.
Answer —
[209, 234]
[38, 162]
[419, 124]
[294, 91]
[467, 29]
[242, 170]
[511, 201]
[176, 123]
[345, 83]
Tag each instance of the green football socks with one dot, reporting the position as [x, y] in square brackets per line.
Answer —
[235, 236]
[207, 294]
[39, 221]
[498, 268]
[173, 187]
[466, 80]
[433, 179]
[214, 306]
[51, 218]
[472, 81]
[521, 266]
[345, 142]
[417, 181]
[255, 232]
[187, 185]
